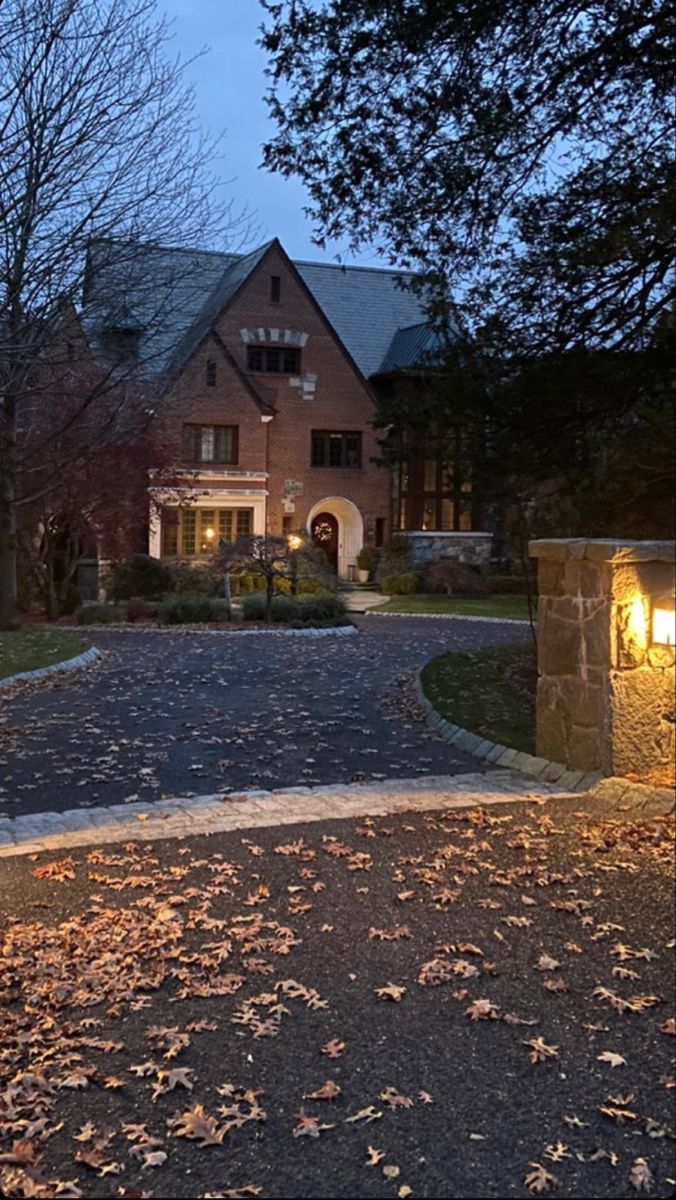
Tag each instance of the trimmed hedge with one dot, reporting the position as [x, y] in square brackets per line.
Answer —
[192, 609]
[406, 584]
[308, 610]
[100, 614]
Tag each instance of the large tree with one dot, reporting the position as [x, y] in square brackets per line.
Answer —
[98, 140]
[518, 156]
[519, 151]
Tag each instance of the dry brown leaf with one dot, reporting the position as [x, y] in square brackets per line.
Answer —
[641, 1177]
[333, 1048]
[614, 1060]
[540, 1051]
[391, 992]
[328, 1091]
[540, 1180]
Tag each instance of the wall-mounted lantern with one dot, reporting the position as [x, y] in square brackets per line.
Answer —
[663, 625]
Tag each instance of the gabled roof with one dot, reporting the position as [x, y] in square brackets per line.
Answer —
[236, 272]
[177, 294]
[365, 305]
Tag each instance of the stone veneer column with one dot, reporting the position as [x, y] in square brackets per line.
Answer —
[605, 697]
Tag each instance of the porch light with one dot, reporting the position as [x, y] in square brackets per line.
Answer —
[209, 534]
[294, 541]
[663, 631]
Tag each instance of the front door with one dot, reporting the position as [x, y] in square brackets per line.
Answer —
[325, 537]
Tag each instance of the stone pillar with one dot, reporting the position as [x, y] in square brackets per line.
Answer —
[605, 693]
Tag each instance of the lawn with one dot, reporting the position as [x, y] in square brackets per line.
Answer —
[470, 1004]
[489, 692]
[489, 606]
[27, 649]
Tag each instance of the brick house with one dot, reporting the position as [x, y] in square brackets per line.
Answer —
[265, 374]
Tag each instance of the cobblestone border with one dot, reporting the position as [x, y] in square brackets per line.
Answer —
[132, 627]
[503, 756]
[68, 664]
[220, 812]
[373, 612]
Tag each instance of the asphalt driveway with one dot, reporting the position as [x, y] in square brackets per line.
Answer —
[174, 714]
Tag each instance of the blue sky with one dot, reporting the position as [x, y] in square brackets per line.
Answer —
[230, 84]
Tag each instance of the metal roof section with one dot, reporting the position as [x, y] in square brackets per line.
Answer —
[411, 347]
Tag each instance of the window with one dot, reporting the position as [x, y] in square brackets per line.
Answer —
[282, 361]
[210, 443]
[335, 449]
[380, 531]
[211, 373]
[275, 289]
[196, 532]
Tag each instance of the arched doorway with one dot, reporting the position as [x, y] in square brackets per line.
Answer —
[325, 537]
[350, 530]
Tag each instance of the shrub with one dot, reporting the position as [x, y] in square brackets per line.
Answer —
[308, 610]
[140, 609]
[100, 614]
[322, 608]
[511, 585]
[200, 579]
[365, 558]
[405, 584]
[192, 609]
[394, 557]
[449, 576]
[312, 587]
[141, 575]
[71, 601]
[284, 608]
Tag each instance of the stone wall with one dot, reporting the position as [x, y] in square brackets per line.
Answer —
[605, 694]
[472, 548]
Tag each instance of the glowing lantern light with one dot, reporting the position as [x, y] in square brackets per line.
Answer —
[664, 621]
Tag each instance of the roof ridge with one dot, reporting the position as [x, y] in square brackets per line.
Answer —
[306, 262]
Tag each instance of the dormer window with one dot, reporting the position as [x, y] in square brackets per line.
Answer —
[275, 289]
[211, 373]
[278, 361]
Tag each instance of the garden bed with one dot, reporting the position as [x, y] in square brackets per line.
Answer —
[489, 692]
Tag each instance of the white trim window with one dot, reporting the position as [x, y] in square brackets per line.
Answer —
[196, 532]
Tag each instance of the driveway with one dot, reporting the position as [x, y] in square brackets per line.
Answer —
[175, 714]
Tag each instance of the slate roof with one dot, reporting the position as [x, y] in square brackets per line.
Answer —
[176, 294]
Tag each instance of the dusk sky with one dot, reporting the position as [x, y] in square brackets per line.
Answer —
[230, 84]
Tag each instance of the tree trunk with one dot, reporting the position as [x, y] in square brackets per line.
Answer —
[9, 615]
[269, 590]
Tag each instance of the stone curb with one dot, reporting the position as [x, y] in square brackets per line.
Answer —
[642, 799]
[503, 756]
[221, 812]
[333, 631]
[373, 612]
[68, 664]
